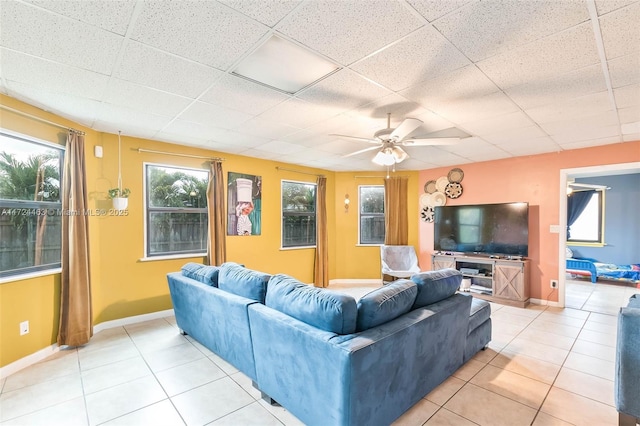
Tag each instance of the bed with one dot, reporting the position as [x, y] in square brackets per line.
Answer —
[609, 271]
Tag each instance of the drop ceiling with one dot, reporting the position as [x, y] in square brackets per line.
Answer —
[521, 77]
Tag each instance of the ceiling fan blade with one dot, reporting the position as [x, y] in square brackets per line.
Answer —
[361, 151]
[356, 138]
[406, 127]
[430, 141]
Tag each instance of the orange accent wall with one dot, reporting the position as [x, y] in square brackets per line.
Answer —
[533, 179]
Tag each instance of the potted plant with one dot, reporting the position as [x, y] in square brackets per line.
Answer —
[120, 197]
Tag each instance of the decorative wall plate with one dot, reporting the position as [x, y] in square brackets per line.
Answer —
[426, 214]
[430, 187]
[438, 199]
[453, 190]
[425, 200]
[455, 175]
[442, 183]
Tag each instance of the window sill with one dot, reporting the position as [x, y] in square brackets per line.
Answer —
[297, 248]
[370, 245]
[30, 275]
[172, 257]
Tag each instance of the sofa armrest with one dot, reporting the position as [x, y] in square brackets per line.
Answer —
[627, 376]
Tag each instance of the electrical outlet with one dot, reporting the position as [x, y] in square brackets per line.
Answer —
[24, 328]
[554, 283]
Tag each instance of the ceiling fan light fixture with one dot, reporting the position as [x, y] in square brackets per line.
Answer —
[384, 157]
[399, 154]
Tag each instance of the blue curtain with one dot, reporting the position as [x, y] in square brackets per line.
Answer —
[576, 203]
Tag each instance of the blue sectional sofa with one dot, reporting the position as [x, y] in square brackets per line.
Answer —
[627, 376]
[326, 358]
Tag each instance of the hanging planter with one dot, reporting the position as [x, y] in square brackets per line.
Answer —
[119, 195]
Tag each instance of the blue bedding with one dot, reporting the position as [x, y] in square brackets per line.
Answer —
[604, 270]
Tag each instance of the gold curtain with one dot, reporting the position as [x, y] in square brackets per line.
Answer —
[396, 221]
[216, 241]
[321, 273]
[76, 317]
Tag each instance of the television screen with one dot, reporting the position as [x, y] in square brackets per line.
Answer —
[492, 229]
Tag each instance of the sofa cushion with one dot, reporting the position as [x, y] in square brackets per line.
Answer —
[325, 309]
[243, 282]
[205, 274]
[386, 303]
[634, 301]
[434, 286]
[480, 312]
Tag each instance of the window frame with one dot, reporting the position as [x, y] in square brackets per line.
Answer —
[360, 214]
[600, 242]
[50, 208]
[147, 210]
[283, 214]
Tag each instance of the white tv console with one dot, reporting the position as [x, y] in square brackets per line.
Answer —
[497, 279]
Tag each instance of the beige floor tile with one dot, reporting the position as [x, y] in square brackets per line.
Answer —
[547, 338]
[164, 359]
[67, 413]
[246, 383]
[537, 350]
[119, 400]
[533, 368]
[604, 319]
[600, 327]
[567, 312]
[468, 370]
[114, 374]
[161, 413]
[529, 313]
[106, 338]
[590, 365]
[445, 417]
[418, 414]
[487, 408]
[445, 390]
[199, 346]
[555, 328]
[507, 317]
[41, 395]
[281, 414]
[185, 377]
[486, 355]
[166, 340]
[607, 339]
[544, 419]
[586, 385]
[224, 365]
[210, 402]
[607, 353]
[511, 385]
[578, 410]
[561, 319]
[252, 414]
[108, 354]
[61, 364]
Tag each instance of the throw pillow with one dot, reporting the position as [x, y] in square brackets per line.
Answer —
[205, 274]
[385, 303]
[237, 279]
[434, 286]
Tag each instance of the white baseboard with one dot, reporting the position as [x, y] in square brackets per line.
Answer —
[545, 303]
[36, 357]
[362, 282]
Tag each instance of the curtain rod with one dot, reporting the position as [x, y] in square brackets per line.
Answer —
[180, 155]
[34, 117]
[299, 171]
[378, 177]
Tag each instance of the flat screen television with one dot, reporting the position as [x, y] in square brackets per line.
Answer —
[490, 229]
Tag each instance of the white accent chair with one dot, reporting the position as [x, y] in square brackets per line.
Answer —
[398, 261]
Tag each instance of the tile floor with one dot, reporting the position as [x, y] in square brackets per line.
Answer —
[544, 366]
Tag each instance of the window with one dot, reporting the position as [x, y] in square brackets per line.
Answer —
[176, 210]
[371, 213]
[588, 227]
[470, 220]
[298, 214]
[30, 207]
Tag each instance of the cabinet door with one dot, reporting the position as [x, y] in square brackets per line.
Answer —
[442, 263]
[509, 281]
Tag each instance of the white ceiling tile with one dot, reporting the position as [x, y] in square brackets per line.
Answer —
[344, 89]
[182, 139]
[463, 83]
[111, 15]
[399, 107]
[625, 70]
[431, 122]
[206, 32]
[434, 155]
[629, 114]
[587, 134]
[280, 147]
[129, 121]
[621, 32]
[343, 147]
[200, 112]
[396, 66]
[194, 130]
[631, 137]
[434, 9]
[559, 87]
[472, 108]
[584, 106]
[267, 12]
[266, 129]
[497, 123]
[240, 139]
[606, 6]
[240, 94]
[605, 119]
[627, 96]
[307, 138]
[160, 70]
[134, 96]
[498, 26]
[589, 143]
[299, 113]
[520, 134]
[531, 146]
[330, 27]
[557, 54]
[52, 76]
[40, 33]
[266, 155]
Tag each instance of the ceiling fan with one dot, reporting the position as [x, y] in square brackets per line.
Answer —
[389, 141]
